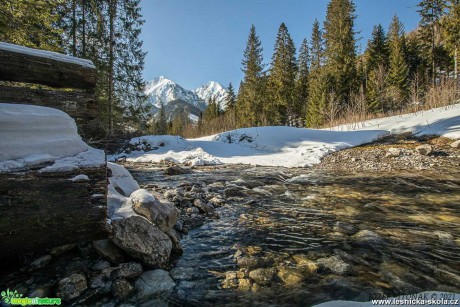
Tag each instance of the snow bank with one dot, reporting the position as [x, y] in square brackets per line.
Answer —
[288, 146]
[121, 186]
[33, 135]
[46, 54]
[444, 121]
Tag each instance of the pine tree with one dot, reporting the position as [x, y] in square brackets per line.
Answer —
[32, 23]
[317, 46]
[398, 75]
[250, 96]
[280, 109]
[377, 55]
[431, 12]
[451, 24]
[161, 125]
[301, 97]
[318, 97]
[340, 47]
[230, 102]
[377, 52]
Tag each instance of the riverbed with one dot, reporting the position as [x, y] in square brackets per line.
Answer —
[303, 236]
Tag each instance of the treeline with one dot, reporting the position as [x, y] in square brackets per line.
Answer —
[327, 81]
[105, 32]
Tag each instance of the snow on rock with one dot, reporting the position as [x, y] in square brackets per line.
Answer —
[46, 54]
[33, 135]
[444, 121]
[141, 196]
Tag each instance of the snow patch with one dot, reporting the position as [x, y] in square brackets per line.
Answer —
[46, 54]
[33, 135]
[80, 178]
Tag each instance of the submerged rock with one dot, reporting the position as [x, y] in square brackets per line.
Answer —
[154, 283]
[127, 270]
[290, 276]
[368, 237]
[70, 287]
[59, 250]
[121, 288]
[334, 264]
[176, 170]
[345, 228]
[38, 264]
[203, 207]
[262, 276]
[142, 240]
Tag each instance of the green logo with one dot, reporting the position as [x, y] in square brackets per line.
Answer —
[15, 298]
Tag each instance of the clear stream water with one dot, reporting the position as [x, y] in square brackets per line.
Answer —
[302, 227]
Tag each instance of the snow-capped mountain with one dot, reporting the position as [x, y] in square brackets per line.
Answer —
[161, 89]
[214, 90]
[176, 98]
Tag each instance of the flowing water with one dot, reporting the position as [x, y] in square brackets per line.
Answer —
[303, 237]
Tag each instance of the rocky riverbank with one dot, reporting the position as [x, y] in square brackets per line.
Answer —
[132, 265]
[395, 153]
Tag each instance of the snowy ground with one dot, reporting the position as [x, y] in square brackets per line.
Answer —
[288, 146]
[33, 135]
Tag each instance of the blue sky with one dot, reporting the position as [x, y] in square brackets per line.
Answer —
[195, 41]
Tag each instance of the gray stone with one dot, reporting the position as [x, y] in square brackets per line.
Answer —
[424, 149]
[109, 251]
[203, 207]
[70, 287]
[100, 265]
[193, 210]
[262, 276]
[233, 192]
[153, 284]
[163, 215]
[143, 241]
[121, 288]
[394, 152]
[335, 264]
[176, 170]
[127, 270]
[455, 144]
[59, 250]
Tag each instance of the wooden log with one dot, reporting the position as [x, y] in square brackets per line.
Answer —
[78, 104]
[43, 210]
[23, 64]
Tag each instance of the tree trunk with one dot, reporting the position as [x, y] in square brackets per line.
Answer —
[83, 7]
[74, 28]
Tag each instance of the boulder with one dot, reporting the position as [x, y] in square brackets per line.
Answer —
[109, 251]
[70, 287]
[121, 288]
[127, 270]
[203, 207]
[153, 284]
[142, 240]
[177, 250]
[161, 214]
[262, 276]
[424, 149]
[100, 265]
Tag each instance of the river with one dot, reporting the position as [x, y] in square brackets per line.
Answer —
[301, 237]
